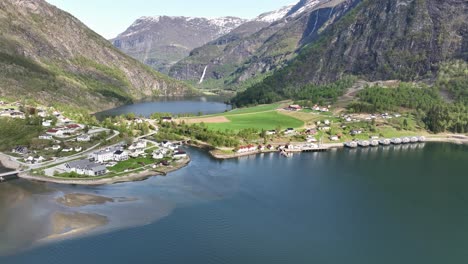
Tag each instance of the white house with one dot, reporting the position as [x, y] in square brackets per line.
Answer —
[104, 155]
[84, 138]
[46, 123]
[56, 147]
[334, 138]
[289, 131]
[157, 155]
[121, 155]
[270, 132]
[140, 144]
[46, 137]
[165, 144]
[327, 122]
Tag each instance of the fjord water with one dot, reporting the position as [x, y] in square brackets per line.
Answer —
[184, 105]
[405, 204]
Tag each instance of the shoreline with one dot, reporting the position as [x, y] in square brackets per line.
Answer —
[452, 139]
[132, 177]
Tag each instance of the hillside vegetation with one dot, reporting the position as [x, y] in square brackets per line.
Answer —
[48, 56]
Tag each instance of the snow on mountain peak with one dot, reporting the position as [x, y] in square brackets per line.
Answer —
[273, 16]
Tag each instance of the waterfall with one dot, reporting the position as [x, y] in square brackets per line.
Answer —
[203, 75]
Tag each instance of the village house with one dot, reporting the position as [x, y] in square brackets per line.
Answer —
[311, 131]
[56, 147]
[325, 128]
[104, 155]
[47, 123]
[289, 131]
[34, 160]
[180, 154]
[46, 137]
[165, 144]
[68, 149]
[334, 138]
[270, 132]
[86, 167]
[84, 138]
[294, 108]
[55, 132]
[270, 147]
[41, 113]
[355, 132]
[78, 149]
[17, 114]
[72, 128]
[121, 155]
[138, 145]
[157, 155]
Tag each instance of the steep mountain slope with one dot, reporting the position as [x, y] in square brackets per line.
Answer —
[235, 61]
[162, 41]
[49, 56]
[377, 40]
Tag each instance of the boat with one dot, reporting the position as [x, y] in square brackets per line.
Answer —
[364, 143]
[414, 140]
[422, 139]
[352, 144]
[396, 141]
[385, 142]
[374, 143]
[405, 140]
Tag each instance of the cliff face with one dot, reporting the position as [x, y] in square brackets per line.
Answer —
[162, 41]
[232, 60]
[48, 55]
[389, 39]
[379, 40]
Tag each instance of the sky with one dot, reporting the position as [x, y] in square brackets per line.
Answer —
[111, 17]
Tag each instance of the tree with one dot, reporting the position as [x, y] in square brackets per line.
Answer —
[405, 123]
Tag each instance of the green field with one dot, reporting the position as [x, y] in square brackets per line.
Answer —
[258, 120]
[248, 110]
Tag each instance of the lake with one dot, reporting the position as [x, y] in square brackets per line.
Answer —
[403, 204]
[183, 105]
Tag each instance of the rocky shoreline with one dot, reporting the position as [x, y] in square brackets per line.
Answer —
[6, 162]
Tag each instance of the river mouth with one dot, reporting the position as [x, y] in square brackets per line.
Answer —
[173, 105]
[343, 206]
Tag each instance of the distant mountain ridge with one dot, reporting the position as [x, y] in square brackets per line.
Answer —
[161, 41]
[238, 60]
[49, 56]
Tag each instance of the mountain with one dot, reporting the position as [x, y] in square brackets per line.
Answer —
[162, 41]
[49, 56]
[378, 40]
[237, 60]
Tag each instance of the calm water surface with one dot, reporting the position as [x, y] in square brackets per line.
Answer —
[195, 105]
[379, 205]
